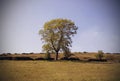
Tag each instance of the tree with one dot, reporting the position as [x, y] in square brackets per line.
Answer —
[57, 34]
[100, 55]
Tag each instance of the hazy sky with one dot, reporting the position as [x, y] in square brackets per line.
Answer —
[98, 22]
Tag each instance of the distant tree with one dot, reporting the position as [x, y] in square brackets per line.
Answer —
[57, 34]
[100, 54]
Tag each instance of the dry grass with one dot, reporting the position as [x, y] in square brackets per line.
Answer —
[58, 71]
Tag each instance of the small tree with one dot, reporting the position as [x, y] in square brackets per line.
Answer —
[47, 49]
[47, 56]
[66, 52]
[100, 55]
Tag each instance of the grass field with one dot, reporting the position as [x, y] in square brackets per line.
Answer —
[58, 71]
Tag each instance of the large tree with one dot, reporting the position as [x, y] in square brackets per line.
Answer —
[57, 34]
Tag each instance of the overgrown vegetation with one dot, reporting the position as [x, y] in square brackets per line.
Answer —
[47, 56]
[100, 54]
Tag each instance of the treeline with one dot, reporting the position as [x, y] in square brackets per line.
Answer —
[100, 56]
[40, 58]
[7, 54]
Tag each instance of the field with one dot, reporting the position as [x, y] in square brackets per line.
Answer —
[11, 70]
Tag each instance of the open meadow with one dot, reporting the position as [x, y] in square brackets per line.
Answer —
[59, 40]
[11, 70]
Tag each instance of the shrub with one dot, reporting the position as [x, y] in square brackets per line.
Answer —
[39, 58]
[5, 58]
[4, 54]
[108, 53]
[67, 55]
[100, 55]
[47, 56]
[22, 58]
[31, 53]
[23, 53]
[84, 52]
[8, 53]
[74, 59]
[70, 58]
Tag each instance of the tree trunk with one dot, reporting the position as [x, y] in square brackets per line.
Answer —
[56, 58]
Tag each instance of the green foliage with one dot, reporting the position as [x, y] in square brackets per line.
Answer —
[47, 48]
[47, 56]
[57, 35]
[100, 54]
[66, 52]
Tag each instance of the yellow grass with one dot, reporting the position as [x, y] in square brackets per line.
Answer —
[58, 71]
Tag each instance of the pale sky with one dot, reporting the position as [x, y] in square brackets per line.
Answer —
[98, 22]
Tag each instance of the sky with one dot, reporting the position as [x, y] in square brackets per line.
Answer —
[98, 23]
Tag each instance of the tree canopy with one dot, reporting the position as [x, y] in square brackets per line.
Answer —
[57, 34]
